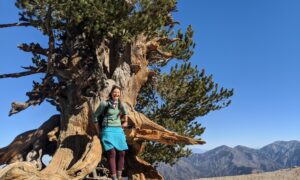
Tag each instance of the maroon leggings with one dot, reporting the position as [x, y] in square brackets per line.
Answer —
[111, 156]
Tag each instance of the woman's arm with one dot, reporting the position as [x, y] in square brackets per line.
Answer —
[124, 116]
[97, 113]
[125, 121]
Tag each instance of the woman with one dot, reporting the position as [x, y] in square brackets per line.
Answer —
[112, 135]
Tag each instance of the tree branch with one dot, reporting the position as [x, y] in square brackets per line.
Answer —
[34, 48]
[166, 55]
[17, 107]
[168, 40]
[47, 89]
[154, 47]
[25, 73]
[14, 25]
[145, 129]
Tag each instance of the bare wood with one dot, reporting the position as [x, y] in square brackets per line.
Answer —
[75, 138]
[52, 134]
[153, 46]
[14, 152]
[89, 160]
[26, 170]
[145, 129]
[167, 39]
[17, 107]
[164, 137]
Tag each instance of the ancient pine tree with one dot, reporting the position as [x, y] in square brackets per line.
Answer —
[93, 45]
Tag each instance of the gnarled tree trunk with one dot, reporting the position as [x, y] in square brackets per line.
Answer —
[85, 78]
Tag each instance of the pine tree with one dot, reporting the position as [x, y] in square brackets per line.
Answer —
[174, 100]
[92, 45]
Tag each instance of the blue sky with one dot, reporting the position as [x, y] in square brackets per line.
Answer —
[249, 45]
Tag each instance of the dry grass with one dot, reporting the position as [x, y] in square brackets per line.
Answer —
[285, 174]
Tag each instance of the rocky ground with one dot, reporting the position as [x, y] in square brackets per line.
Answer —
[285, 174]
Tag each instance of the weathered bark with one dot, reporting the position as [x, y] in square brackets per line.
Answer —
[76, 156]
[80, 150]
[26, 170]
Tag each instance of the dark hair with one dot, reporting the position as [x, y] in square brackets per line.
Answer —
[112, 89]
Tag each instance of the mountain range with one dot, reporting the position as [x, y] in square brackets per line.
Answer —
[227, 161]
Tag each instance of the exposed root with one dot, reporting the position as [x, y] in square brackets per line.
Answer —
[15, 151]
[28, 142]
[88, 161]
[35, 157]
[26, 170]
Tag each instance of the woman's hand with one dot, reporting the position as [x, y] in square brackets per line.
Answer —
[125, 121]
[97, 128]
[124, 124]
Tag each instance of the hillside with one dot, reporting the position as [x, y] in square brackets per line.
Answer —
[227, 161]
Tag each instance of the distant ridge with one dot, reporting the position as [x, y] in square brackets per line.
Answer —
[227, 161]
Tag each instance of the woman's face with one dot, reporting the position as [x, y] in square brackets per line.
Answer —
[115, 94]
